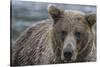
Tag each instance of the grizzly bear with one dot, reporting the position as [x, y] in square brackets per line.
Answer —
[67, 36]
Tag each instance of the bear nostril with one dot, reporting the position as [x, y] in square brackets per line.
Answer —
[67, 55]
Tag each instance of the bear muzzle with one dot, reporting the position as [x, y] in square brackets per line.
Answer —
[68, 54]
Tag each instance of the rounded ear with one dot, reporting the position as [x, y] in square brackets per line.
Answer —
[91, 18]
[55, 12]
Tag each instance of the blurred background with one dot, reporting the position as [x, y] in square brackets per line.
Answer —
[25, 13]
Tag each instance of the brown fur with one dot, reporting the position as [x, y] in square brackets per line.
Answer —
[42, 43]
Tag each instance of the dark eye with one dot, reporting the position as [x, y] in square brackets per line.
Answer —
[77, 34]
[63, 34]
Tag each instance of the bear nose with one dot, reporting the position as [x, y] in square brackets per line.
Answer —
[67, 52]
[67, 55]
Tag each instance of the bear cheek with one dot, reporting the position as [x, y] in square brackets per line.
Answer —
[82, 42]
[57, 43]
[78, 47]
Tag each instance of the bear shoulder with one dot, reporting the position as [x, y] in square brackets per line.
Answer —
[36, 28]
[34, 39]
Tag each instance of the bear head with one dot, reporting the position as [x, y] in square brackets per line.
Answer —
[72, 33]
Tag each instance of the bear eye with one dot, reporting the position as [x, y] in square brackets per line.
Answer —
[63, 34]
[77, 34]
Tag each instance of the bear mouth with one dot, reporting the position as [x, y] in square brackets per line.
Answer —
[67, 61]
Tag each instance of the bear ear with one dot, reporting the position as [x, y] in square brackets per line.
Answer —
[91, 18]
[55, 12]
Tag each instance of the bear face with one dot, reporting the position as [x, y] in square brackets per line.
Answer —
[72, 33]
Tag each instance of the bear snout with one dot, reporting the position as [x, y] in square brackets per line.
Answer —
[69, 53]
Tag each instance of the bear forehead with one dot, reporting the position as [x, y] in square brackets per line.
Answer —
[73, 19]
[74, 12]
[74, 15]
